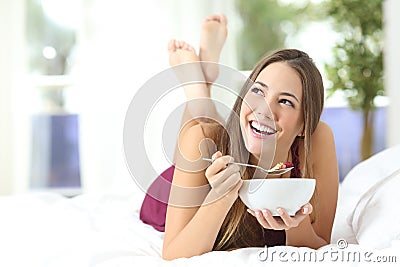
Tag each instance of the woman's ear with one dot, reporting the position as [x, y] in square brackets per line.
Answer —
[300, 134]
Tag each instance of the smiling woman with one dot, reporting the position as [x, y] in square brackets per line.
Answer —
[274, 119]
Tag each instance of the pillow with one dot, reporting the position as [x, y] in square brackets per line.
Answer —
[367, 173]
[341, 228]
[154, 206]
[376, 218]
[358, 181]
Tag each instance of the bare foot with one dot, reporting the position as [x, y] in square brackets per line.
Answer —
[212, 39]
[199, 103]
[181, 52]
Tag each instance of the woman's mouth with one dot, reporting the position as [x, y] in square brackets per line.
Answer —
[259, 130]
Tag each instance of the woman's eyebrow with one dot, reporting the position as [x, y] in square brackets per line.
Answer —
[292, 95]
[284, 93]
[262, 84]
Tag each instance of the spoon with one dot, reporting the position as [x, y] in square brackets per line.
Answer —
[268, 171]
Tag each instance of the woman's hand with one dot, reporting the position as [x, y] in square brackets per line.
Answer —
[285, 222]
[224, 179]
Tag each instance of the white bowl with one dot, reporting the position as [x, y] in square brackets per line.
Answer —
[287, 193]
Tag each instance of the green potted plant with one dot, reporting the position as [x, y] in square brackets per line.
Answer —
[357, 69]
[266, 25]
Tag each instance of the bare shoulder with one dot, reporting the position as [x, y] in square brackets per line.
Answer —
[322, 133]
[323, 149]
[325, 171]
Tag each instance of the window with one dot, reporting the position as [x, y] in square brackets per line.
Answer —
[51, 42]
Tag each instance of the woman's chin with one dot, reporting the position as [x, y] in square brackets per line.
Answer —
[264, 150]
[253, 149]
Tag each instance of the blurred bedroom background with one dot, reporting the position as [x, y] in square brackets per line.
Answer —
[69, 70]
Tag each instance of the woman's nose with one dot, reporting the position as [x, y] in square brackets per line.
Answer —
[265, 110]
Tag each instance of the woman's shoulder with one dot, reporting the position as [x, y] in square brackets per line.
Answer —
[322, 133]
[322, 141]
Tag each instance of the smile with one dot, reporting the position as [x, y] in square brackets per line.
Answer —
[261, 130]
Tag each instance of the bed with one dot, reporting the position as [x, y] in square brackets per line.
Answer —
[47, 229]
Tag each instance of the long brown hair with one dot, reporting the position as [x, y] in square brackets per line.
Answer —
[234, 232]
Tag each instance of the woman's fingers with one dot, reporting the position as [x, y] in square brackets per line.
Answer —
[294, 221]
[219, 164]
[233, 192]
[266, 220]
[289, 221]
[306, 209]
[261, 216]
[221, 176]
[223, 181]
[285, 221]
[225, 184]
[217, 154]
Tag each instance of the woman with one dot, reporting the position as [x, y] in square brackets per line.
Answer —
[274, 119]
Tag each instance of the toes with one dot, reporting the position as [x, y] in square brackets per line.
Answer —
[174, 45]
[179, 44]
[217, 17]
[171, 45]
[182, 45]
[223, 19]
[188, 47]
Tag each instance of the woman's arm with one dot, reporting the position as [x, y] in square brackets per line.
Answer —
[325, 168]
[191, 231]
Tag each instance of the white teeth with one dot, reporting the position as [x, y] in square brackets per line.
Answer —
[262, 128]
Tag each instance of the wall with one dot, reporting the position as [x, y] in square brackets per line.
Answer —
[12, 160]
[347, 128]
[392, 68]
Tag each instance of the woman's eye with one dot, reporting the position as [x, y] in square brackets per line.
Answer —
[257, 91]
[286, 102]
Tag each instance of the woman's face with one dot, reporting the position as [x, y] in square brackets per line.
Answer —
[271, 112]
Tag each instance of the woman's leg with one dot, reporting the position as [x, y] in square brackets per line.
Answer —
[212, 39]
[180, 53]
[199, 105]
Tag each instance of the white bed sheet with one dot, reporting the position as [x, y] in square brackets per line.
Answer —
[47, 229]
